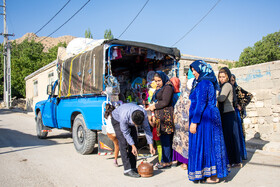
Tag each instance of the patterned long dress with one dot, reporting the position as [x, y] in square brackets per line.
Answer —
[207, 151]
[181, 122]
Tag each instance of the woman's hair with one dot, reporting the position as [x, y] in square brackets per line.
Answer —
[157, 75]
[108, 110]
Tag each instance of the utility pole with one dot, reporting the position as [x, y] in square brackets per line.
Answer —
[7, 62]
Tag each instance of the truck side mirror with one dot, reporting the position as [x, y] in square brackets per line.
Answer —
[49, 89]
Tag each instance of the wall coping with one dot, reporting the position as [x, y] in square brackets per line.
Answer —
[256, 65]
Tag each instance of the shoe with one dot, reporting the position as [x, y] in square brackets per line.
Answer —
[163, 167]
[240, 165]
[135, 170]
[132, 173]
[174, 165]
[199, 181]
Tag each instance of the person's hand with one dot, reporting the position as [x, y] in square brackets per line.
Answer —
[239, 107]
[193, 128]
[134, 150]
[152, 149]
[151, 108]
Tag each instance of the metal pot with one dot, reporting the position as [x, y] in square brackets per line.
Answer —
[145, 169]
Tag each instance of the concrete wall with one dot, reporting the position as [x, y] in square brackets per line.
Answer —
[263, 113]
[43, 80]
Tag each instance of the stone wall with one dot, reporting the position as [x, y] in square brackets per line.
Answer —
[263, 113]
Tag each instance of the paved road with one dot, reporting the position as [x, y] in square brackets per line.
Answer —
[26, 160]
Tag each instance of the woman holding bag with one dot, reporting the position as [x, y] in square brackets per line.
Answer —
[163, 110]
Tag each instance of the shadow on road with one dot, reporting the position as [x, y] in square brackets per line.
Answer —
[22, 141]
[253, 144]
[10, 111]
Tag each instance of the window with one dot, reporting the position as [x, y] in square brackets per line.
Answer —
[51, 77]
[35, 88]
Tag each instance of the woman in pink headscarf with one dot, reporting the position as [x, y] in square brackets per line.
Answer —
[181, 116]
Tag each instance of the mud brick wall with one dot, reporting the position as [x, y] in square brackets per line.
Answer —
[263, 113]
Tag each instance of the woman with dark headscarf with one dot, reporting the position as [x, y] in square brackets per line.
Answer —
[243, 99]
[227, 101]
[207, 152]
[164, 116]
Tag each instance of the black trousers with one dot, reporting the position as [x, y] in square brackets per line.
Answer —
[128, 159]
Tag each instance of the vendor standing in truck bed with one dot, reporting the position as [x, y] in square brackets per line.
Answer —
[125, 119]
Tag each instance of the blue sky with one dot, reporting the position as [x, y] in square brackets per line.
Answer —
[232, 26]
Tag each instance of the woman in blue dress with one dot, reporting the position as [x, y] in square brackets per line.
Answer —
[207, 152]
[243, 99]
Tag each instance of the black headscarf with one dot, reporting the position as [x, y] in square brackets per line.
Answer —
[234, 102]
[235, 83]
[164, 79]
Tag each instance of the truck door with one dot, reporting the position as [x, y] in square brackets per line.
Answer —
[49, 113]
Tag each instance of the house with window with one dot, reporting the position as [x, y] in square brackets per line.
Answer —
[36, 84]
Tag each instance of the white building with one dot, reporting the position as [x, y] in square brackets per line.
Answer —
[36, 84]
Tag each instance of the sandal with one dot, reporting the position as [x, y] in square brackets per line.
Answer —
[212, 182]
[184, 166]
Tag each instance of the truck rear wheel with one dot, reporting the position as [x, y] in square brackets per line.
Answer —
[40, 127]
[84, 139]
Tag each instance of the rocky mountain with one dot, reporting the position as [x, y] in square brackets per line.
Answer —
[48, 42]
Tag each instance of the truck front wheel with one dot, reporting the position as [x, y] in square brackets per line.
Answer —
[84, 138]
[39, 127]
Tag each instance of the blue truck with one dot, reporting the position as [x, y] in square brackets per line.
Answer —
[89, 80]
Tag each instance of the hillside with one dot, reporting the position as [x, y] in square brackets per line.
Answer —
[48, 43]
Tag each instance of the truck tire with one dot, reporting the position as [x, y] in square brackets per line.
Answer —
[84, 139]
[40, 126]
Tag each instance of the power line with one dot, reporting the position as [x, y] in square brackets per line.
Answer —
[197, 22]
[52, 17]
[66, 21]
[134, 18]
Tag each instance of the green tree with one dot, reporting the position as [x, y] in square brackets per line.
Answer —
[108, 34]
[26, 58]
[265, 50]
[88, 34]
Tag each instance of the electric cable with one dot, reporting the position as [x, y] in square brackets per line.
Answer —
[134, 19]
[52, 17]
[66, 21]
[197, 22]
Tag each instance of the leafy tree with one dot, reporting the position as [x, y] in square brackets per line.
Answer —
[108, 34]
[265, 50]
[26, 58]
[88, 34]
